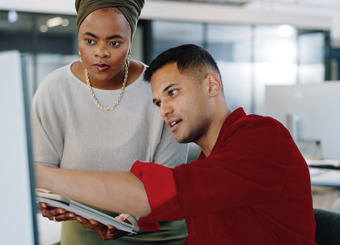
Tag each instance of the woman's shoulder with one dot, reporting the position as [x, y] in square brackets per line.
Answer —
[54, 81]
[137, 71]
[139, 66]
[56, 78]
[138, 77]
[57, 74]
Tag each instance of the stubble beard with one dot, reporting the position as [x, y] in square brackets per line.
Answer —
[193, 135]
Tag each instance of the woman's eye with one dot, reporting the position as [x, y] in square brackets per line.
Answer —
[115, 44]
[89, 41]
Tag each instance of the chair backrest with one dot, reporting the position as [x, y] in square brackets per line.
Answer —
[327, 227]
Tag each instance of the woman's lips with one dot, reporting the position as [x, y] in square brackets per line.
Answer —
[101, 67]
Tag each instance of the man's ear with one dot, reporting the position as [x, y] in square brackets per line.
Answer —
[214, 84]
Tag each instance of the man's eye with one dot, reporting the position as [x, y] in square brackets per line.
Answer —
[158, 103]
[172, 92]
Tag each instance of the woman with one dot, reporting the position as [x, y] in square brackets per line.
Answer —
[96, 114]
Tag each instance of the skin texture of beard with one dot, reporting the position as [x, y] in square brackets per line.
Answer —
[195, 132]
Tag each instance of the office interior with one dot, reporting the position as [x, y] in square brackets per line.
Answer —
[256, 44]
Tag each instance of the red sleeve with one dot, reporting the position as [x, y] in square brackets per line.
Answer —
[160, 187]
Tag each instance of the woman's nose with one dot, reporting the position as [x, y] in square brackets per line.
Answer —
[102, 52]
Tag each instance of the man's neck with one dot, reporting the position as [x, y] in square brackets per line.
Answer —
[208, 141]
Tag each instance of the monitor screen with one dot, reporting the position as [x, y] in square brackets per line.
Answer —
[311, 112]
[18, 216]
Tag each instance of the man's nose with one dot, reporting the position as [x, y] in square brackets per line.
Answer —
[165, 108]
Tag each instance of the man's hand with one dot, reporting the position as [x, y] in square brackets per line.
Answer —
[103, 232]
[56, 214]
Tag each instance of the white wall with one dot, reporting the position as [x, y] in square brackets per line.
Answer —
[188, 11]
[40, 6]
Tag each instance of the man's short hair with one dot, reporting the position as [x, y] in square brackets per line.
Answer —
[191, 60]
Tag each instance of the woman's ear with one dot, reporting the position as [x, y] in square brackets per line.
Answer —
[214, 84]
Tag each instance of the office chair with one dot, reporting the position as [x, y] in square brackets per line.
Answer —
[327, 227]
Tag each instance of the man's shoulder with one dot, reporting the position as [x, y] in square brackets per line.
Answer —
[261, 121]
[252, 126]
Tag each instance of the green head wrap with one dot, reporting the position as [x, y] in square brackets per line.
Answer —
[130, 9]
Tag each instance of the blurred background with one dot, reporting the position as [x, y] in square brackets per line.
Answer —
[256, 43]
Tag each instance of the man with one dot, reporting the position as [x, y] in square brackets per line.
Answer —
[250, 184]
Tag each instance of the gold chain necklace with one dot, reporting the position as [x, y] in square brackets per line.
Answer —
[120, 94]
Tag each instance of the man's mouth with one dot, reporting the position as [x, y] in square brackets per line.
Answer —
[174, 123]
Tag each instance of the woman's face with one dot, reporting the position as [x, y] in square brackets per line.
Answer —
[104, 39]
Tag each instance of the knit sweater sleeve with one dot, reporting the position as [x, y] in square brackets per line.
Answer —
[46, 123]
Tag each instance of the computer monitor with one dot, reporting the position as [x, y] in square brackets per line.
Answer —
[18, 216]
[312, 114]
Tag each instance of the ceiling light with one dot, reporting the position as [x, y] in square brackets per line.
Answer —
[43, 28]
[286, 31]
[65, 22]
[56, 21]
[12, 16]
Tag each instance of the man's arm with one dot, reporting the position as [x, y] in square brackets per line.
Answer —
[116, 191]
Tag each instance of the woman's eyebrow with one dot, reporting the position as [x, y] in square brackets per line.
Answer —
[108, 38]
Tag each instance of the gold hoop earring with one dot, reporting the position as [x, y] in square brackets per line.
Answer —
[129, 57]
[80, 57]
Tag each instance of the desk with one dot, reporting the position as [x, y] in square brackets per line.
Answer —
[325, 177]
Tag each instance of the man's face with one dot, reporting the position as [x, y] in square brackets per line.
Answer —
[182, 102]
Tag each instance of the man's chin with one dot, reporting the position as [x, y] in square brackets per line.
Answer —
[183, 140]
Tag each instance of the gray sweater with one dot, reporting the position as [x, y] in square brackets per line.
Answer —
[70, 131]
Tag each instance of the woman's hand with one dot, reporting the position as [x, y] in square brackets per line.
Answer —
[103, 232]
[56, 214]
